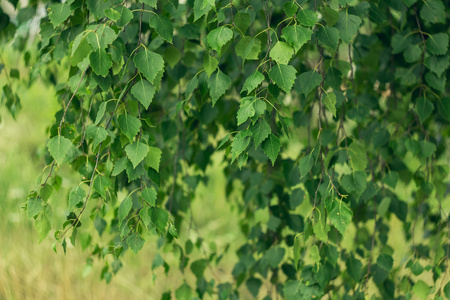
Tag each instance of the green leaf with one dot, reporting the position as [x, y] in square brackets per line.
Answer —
[444, 108]
[153, 158]
[283, 76]
[321, 229]
[433, 11]
[330, 15]
[101, 112]
[43, 224]
[421, 290]
[306, 163]
[297, 245]
[281, 53]
[290, 8]
[135, 242]
[191, 86]
[112, 14]
[100, 36]
[314, 254]
[173, 230]
[34, 207]
[218, 84]
[307, 17]
[438, 83]
[358, 158]
[58, 13]
[347, 25]
[144, 91]
[136, 152]
[413, 53]
[59, 146]
[201, 8]
[296, 36]
[309, 81]
[240, 143]
[248, 48]
[101, 184]
[97, 8]
[162, 26]
[260, 131]
[210, 64]
[223, 141]
[271, 147]
[424, 108]
[125, 16]
[218, 37]
[274, 256]
[437, 43]
[253, 81]
[124, 209]
[129, 125]
[354, 267]
[246, 110]
[341, 216]
[328, 36]
[149, 63]
[159, 217]
[97, 133]
[149, 196]
[437, 64]
[400, 41]
[329, 100]
[198, 267]
[119, 166]
[76, 195]
[242, 21]
[100, 62]
[80, 49]
[152, 3]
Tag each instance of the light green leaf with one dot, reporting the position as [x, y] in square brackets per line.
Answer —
[100, 62]
[153, 158]
[201, 8]
[149, 196]
[42, 223]
[125, 16]
[248, 48]
[34, 207]
[80, 49]
[100, 113]
[433, 11]
[260, 131]
[136, 152]
[240, 143]
[97, 133]
[283, 76]
[252, 82]
[159, 217]
[129, 125]
[100, 36]
[246, 110]
[218, 37]
[306, 163]
[135, 242]
[328, 36]
[76, 195]
[341, 216]
[421, 290]
[119, 166]
[144, 92]
[281, 53]
[162, 26]
[309, 81]
[358, 158]
[437, 43]
[296, 36]
[271, 147]
[347, 25]
[59, 146]
[329, 100]
[210, 64]
[320, 229]
[307, 17]
[151, 3]
[218, 84]
[149, 63]
[101, 184]
[124, 209]
[58, 13]
[112, 14]
[424, 108]
[314, 254]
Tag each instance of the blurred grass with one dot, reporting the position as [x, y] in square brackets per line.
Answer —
[29, 270]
